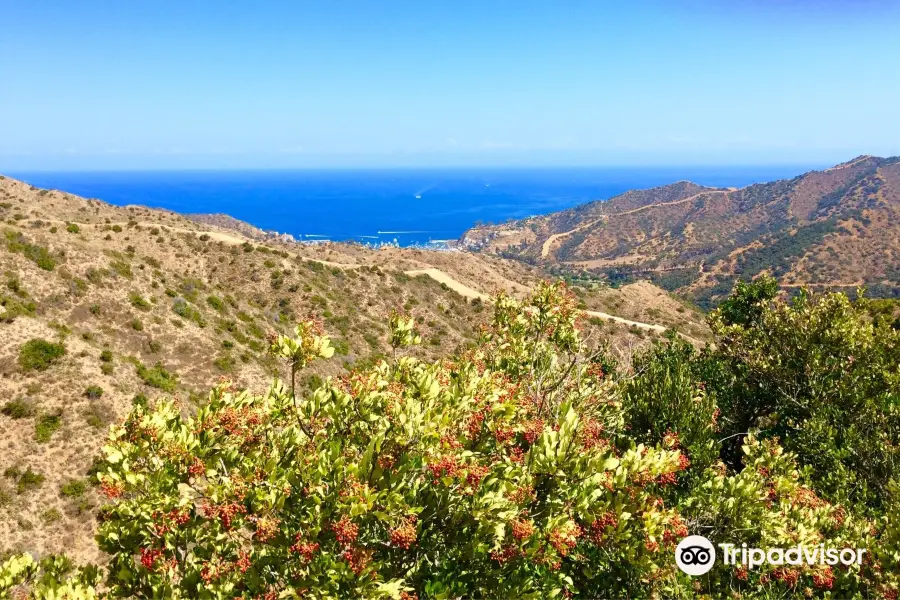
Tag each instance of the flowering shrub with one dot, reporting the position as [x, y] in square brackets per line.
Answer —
[495, 474]
[523, 468]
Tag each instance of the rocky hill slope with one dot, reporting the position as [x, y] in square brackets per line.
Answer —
[103, 306]
[836, 228]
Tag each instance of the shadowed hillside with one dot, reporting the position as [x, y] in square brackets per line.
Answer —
[837, 228]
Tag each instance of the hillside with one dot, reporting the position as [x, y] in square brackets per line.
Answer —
[836, 228]
[144, 303]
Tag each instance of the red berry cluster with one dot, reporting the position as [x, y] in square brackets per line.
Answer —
[163, 522]
[404, 536]
[243, 562]
[475, 422]
[447, 466]
[651, 546]
[503, 434]
[522, 530]
[387, 461]
[197, 468]
[450, 442]
[788, 577]
[839, 515]
[357, 559]
[667, 479]
[564, 538]
[112, 489]
[676, 531]
[807, 498]
[305, 549]
[824, 579]
[345, 531]
[595, 370]
[475, 473]
[533, 430]
[522, 494]
[225, 513]
[741, 573]
[592, 435]
[149, 556]
[506, 554]
[671, 440]
[516, 454]
[266, 528]
[598, 529]
[210, 572]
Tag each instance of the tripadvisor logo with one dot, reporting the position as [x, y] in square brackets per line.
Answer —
[696, 555]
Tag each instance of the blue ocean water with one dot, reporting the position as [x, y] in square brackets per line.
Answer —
[403, 206]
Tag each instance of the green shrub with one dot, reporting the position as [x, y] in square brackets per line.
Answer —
[39, 354]
[157, 376]
[184, 310]
[73, 228]
[51, 516]
[74, 488]
[225, 363]
[106, 356]
[140, 400]
[46, 426]
[93, 392]
[341, 347]
[526, 466]
[217, 303]
[122, 268]
[139, 301]
[137, 325]
[16, 242]
[18, 409]
[14, 307]
[25, 481]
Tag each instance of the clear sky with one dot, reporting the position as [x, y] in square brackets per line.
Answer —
[305, 83]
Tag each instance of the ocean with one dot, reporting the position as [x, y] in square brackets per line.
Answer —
[398, 206]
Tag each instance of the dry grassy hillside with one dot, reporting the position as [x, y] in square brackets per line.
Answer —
[103, 306]
[832, 228]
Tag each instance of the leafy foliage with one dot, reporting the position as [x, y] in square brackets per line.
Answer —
[524, 467]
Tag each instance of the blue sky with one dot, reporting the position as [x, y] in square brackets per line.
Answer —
[194, 84]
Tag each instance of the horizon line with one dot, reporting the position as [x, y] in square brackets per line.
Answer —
[810, 165]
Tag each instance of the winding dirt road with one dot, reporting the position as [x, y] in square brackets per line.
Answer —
[548, 243]
[436, 274]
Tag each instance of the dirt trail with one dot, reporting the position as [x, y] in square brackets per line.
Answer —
[442, 277]
[548, 243]
[467, 292]
[849, 164]
[436, 274]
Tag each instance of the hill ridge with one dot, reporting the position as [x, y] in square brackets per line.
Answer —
[831, 226]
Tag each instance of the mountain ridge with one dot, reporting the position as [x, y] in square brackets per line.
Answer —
[704, 238]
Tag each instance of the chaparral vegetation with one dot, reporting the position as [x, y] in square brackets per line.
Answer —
[528, 466]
